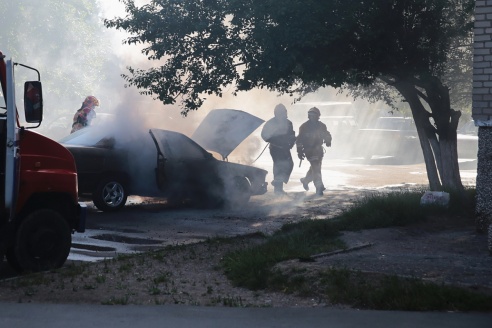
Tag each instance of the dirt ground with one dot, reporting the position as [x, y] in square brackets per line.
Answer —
[441, 251]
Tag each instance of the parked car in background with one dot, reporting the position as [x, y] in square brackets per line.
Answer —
[343, 129]
[114, 164]
[468, 141]
[389, 136]
[392, 137]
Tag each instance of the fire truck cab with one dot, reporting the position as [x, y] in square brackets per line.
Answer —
[39, 207]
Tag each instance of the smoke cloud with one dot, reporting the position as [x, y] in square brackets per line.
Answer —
[129, 115]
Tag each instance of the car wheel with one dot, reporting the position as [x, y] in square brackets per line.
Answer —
[42, 242]
[239, 193]
[110, 195]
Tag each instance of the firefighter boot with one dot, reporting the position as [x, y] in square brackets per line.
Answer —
[278, 188]
[319, 191]
[305, 184]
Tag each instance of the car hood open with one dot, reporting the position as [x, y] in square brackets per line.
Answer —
[222, 130]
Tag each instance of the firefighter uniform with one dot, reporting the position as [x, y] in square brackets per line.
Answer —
[312, 135]
[279, 132]
[85, 114]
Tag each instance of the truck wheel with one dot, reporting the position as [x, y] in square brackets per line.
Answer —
[42, 241]
[12, 260]
[110, 195]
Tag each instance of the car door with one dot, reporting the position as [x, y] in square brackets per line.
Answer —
[96, 160]
[183, 167]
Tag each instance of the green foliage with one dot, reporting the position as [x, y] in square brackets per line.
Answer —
[100, 279]
[229, 301]
[417, 49]
[290, 46]
[73, 269]
[31, 280]
[126, 266]
[116, 300]
[251, 267]
[394, 293]
[64, 40]
[162, 278]
[384, 210]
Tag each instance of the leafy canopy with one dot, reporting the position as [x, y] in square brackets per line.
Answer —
[63, 39]
[290, 46]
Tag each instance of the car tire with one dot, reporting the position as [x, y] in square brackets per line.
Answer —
[239, 194]
[110, 195]
[42, 242]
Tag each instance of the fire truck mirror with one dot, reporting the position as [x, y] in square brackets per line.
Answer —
[33, 101]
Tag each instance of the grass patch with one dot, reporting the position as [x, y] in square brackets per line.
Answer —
[162, 278]
[380, 292]
[30, 280]
[229, 301]
[116, 301]
[394, 293]
[384, 210]
[252, 267]
[73, 270]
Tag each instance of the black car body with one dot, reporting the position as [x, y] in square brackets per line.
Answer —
[159, 163]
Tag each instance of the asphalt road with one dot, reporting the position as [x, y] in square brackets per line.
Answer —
[147, 223]
[83, 316]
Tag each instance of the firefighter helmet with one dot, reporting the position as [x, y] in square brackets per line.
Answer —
[315, 111]
[91, 100]
[280, 110]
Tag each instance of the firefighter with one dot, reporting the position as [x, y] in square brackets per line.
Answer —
[309, 144]
[85, 113]
[278, 131]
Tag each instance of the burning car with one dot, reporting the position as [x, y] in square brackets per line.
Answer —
[168, 164]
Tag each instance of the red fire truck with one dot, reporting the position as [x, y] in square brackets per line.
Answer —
[39, 207]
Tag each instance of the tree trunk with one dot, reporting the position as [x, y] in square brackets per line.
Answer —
[450, 172]
[446, 122]
[420, 117]
[438, 140]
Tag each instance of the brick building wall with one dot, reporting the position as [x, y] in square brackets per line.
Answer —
[482, 113]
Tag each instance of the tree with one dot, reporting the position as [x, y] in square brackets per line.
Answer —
[63, 39]
[298, 46]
